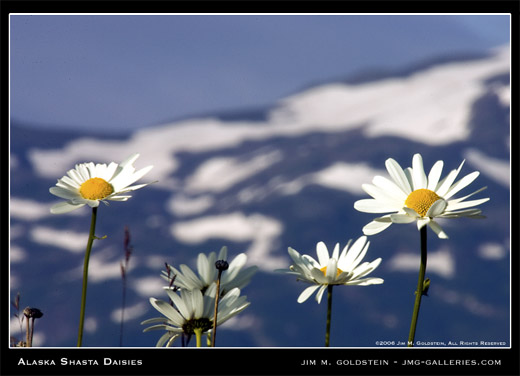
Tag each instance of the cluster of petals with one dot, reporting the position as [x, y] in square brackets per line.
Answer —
[390, 195]
[235, 276]
[192, 305]
[118, 176]
[336, 269]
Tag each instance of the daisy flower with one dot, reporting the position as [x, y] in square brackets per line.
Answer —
[89, 184]
[235, 275]
[338, 269]
[192, 313]
[414, 196]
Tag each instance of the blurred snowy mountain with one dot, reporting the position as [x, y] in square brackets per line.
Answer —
[260, 182]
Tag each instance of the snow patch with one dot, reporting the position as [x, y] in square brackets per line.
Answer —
[148, 286]
[441, 262]
[492, 251]
[431, 107]
[71, 241]
[184, 205]
[17, 254]
[496, 169]
[130, 313]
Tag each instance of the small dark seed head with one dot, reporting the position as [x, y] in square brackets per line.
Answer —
[32, 312]
[221, 265]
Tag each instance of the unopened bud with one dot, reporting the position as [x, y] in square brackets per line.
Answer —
[221, 265]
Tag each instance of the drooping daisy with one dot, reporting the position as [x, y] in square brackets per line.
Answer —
[235, 276]
[89, 184]
[193, 313]
[413, 196]
[338, 269]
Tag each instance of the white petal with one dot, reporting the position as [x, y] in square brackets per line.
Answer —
[203, 268]
[182, 304]
[124, 179]
[398, 175]
[421, 222]
[222, 255]
[64, 207]
[446, 183]
[409, 211]
[462, 213]
[70, 182]
[390, 188]
[167, 310]
[130, 160]
[318, 276]
[295, 255]
[373, 206]
[332, 270]
[76, 176]
[408, 173]
[191, 277]
[366, 268]
[323, 254]
[335, 252]
[307, 293]
[462, 183]
[117, 198]
[109, 172]
[84, 171]
[437, 229]
[346, 261]
[197, 304]
[418, 175]
[465, 204]
[402, 218]
[380, 194]
[64, 193]
[234, 268]
[366, 282]
[165, 337]
[320, 293]
[376, 227]
[434, 175]
[437, 208]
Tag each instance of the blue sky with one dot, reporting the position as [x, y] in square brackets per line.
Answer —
[117, 73]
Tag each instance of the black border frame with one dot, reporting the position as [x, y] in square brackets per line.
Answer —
[268, 361]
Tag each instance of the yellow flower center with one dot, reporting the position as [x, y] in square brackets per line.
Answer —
[421, 200]
[324, 270]
[95, 189]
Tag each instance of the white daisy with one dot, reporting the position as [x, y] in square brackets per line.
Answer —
[234, 276]
[90, 183]
[193, 312]
[338, 269]
[413, 196]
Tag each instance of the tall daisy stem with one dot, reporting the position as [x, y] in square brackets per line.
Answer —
[91, 238]
[329, 313]
[217, 298]
[420, 288]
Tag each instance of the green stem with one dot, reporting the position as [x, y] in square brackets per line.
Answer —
[198, 336]
[420, 288]
[329, 313]
[91, 238]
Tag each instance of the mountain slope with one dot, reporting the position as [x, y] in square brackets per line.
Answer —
[286, 178]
